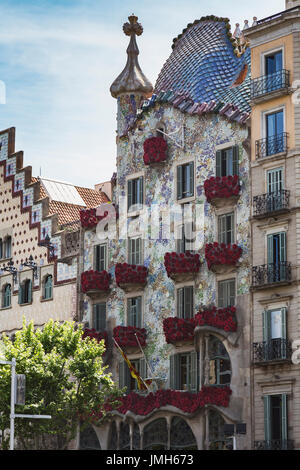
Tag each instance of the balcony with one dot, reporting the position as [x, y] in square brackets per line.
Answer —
[267, 86]
[130, 277]
[130, 338]
[271, 203]
[276, 444]
[268, 275]
[272, 145]
[222, 191]
[274, 351]
[182, 266]
[222, 258]
[94, 283]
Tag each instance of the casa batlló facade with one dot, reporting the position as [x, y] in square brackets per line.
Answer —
[178, 306]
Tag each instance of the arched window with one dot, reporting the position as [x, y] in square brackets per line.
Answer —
[182, 437]
[48, 288]
[6, 296]
[25, 292]
[156, 435]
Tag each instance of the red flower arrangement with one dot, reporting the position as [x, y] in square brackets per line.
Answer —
[89, 219]
[155, 150]
[221, 187]
[97, 335]
[178, 263]
[222, 318]
[185, 401]
[130, 274]
[125, 336]
[95, 280]
[178, 329]
[220, 253]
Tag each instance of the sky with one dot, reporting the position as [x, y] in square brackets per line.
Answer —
[58, 59]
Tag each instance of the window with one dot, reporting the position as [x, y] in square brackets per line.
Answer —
[6, 296]
[184, 371]
[185, 302]
[273, 63]
[276, 426]
[125, 377]
[219, 363]
[274, 334]
[185, 180]
[135, 251]
[5, 247]
[99, 316]
[275, 138]
[100, 257]
[227, 161]
[276, 257]
[275, 199]
[25, 292]
[135, 193]
[186, 238]
[48, 288]
[226, 293]
[226, 228]
[134, 312]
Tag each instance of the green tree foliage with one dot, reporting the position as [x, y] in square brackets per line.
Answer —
[65, 378]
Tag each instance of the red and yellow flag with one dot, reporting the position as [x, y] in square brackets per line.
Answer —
[142, 384]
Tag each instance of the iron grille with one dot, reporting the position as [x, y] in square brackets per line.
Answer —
[269, 83]
[271, 202]
[271, 145]
[273, 350]
[271, 273]
[278, 444]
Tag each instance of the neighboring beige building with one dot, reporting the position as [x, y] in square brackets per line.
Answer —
[275, 129]
[39, 242]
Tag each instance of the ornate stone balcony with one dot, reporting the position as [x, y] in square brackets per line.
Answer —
[130, 338]
[222, 191]
[222, 258]
[130, 277]
[182, 266]
[95, 282]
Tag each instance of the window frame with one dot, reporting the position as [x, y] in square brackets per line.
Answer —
[140, 315]
[181, 308]
[189, 198]
[96, 314]
[96, 258]
[226, 281]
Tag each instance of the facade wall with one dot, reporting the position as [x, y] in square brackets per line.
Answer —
[203, 136]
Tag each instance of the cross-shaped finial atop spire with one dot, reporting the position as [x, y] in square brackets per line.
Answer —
[133, 27]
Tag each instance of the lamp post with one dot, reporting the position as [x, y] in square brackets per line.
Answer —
[13, 402]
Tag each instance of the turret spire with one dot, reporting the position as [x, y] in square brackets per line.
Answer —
[132, 79]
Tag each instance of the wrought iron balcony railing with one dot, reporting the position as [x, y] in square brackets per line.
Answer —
[271, 145]
[278, 349]
[271, 273]
[271, 202]
[269, 83]
[275, 444]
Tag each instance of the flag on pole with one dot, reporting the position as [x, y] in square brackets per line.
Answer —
[142, 384]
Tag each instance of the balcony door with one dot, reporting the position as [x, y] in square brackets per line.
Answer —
[275, 133]
[273, 71]
[275, 410]
[274, 333]
[275, 187]
[277, 267]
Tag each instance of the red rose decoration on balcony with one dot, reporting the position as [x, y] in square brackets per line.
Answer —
[97, 335]
[187, 402]
[181, 263]
[155, 150]
[178, 329]
[95, 280]
[222, 187]
[89, 219]
[222, 254]
[126, 336]
[222, 318]
[130, 274]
